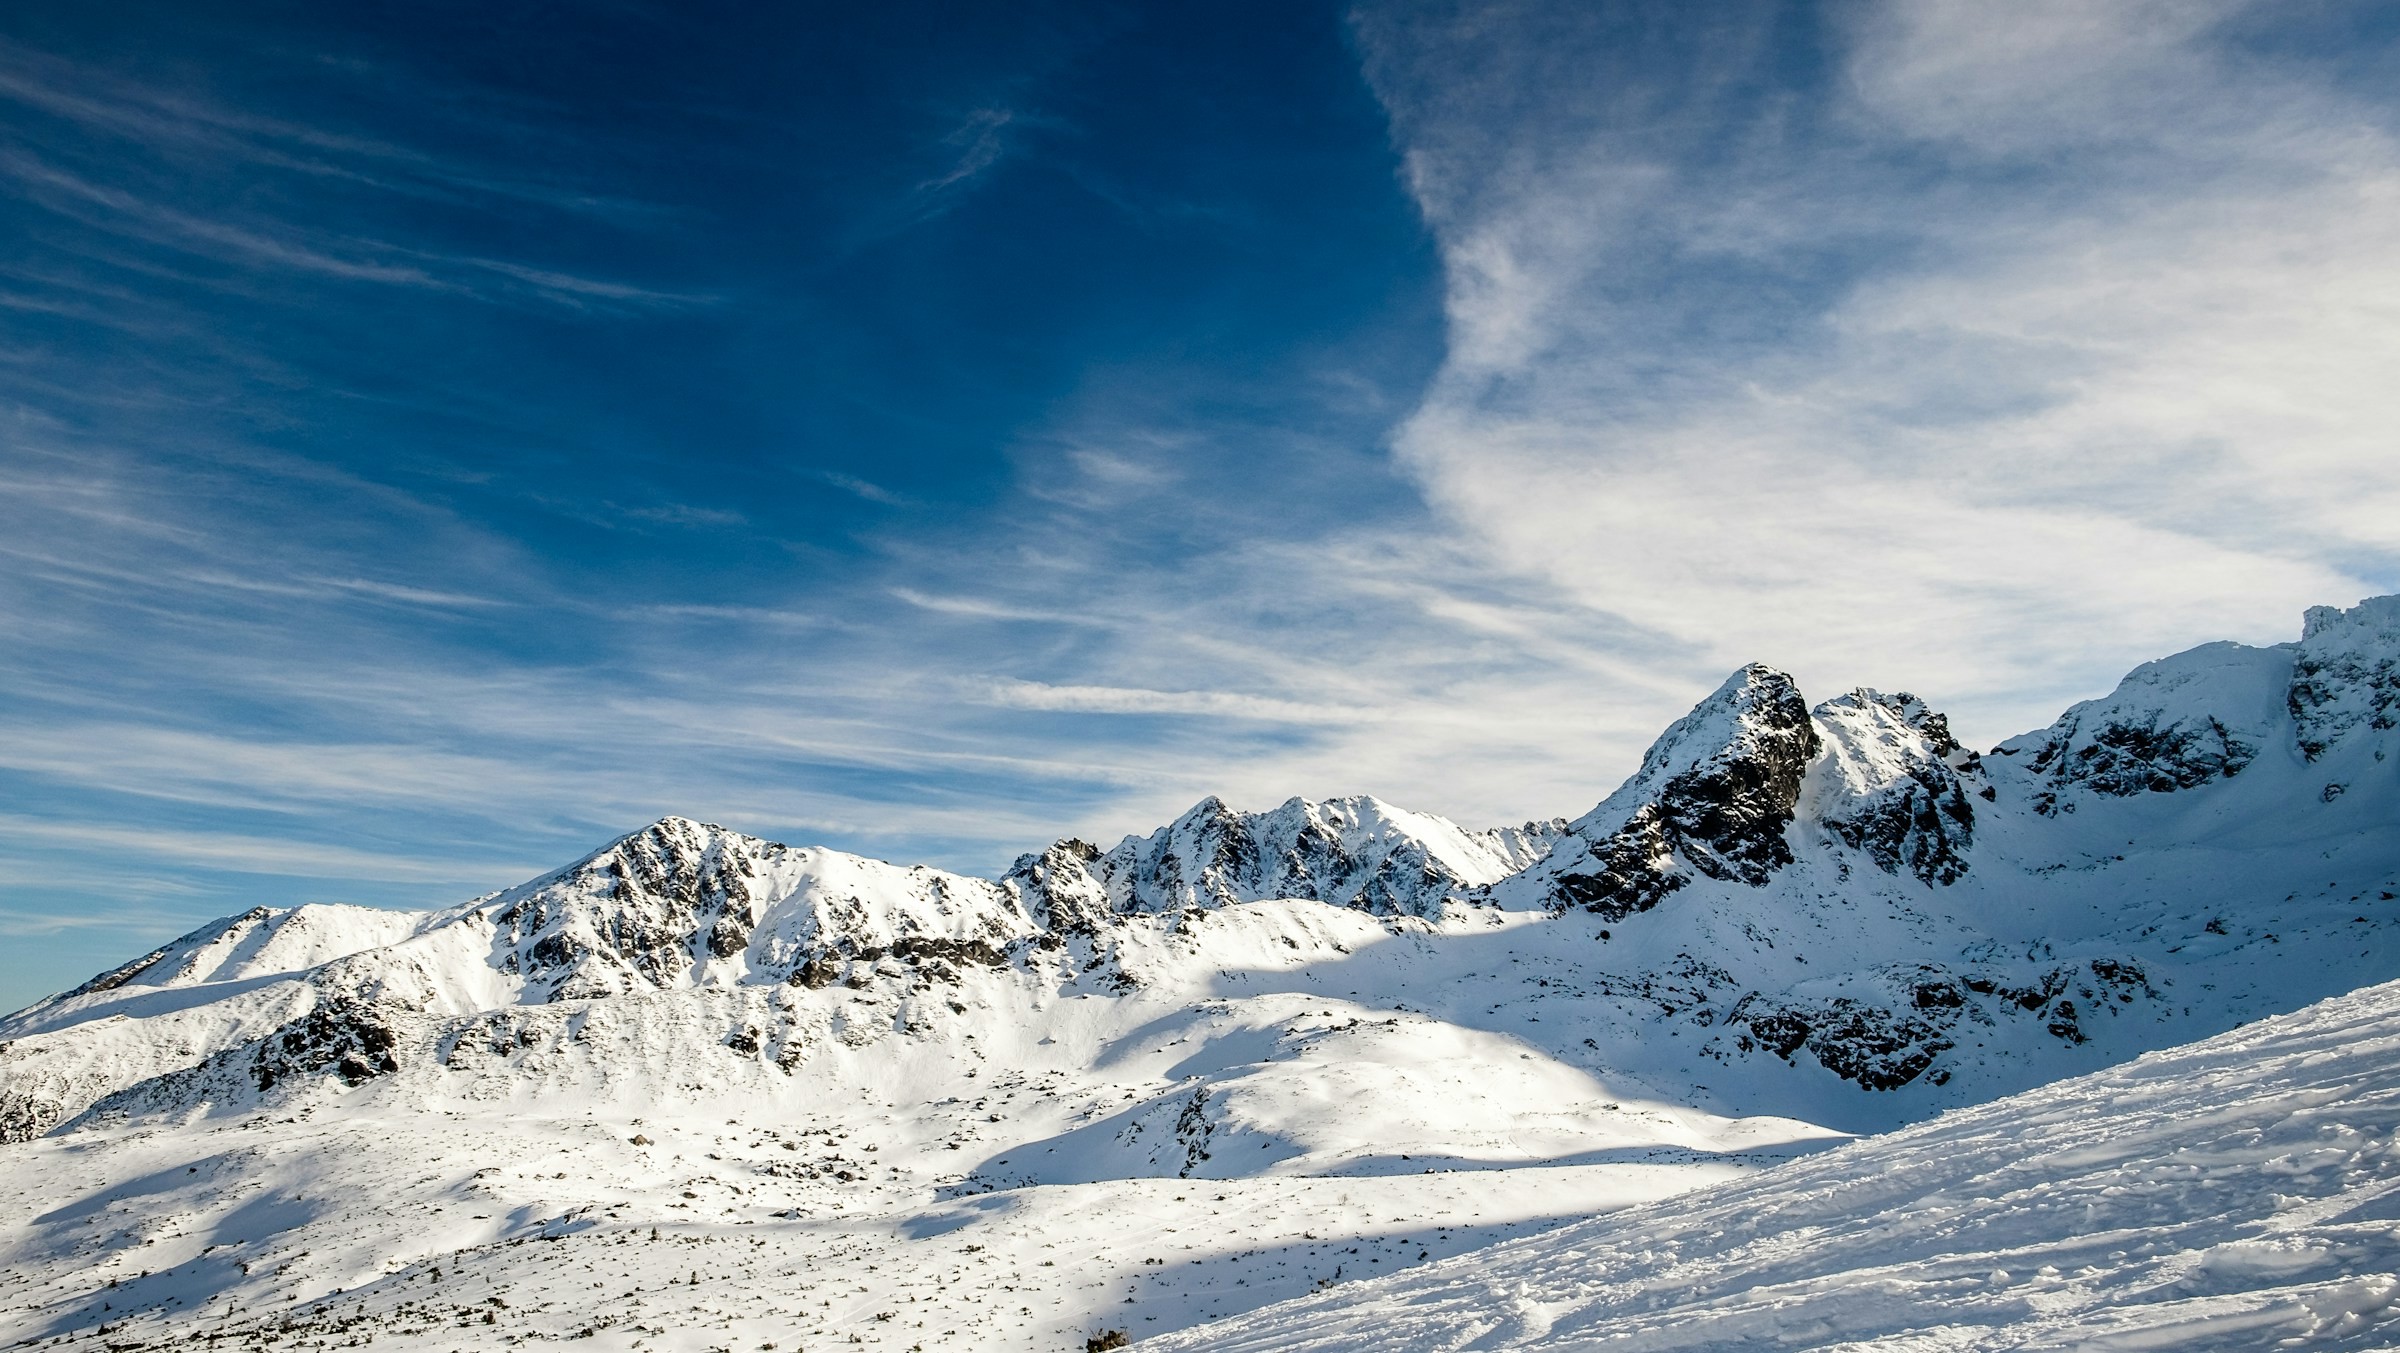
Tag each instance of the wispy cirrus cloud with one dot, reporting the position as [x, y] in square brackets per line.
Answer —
[253, 854]
[2020, 346]
[1015, 694]
[169, 194]
[960, 161]
[980, 140]
[864, 489]
[160, 118]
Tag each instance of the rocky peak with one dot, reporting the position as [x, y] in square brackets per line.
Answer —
[2345, 674]
[1353, 852]
[1713, 797]
[2174, 724]
[644, 910]
[1894, 784]
[1059, 889]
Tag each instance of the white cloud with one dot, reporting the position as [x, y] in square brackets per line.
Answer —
[980, 141]
[1013, 694]
[252, 854]
[862, 488]
[2049, 339]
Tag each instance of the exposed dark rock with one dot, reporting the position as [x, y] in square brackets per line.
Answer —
[1631, 869]
[1876, 1048]
[2139, 755]
[2346, 674]
[2063, 1023]
[1059, 889]
[1938, 996]
[352, 1039]
[1192, 1131]
[1900, 789]
[648, 908]
[1881, 1046]
[1713, 798]
[26, 1113]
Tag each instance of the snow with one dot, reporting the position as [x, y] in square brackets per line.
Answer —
[2241, 1192]
[1276, 1050]
[991, 1182]
[1356, 851]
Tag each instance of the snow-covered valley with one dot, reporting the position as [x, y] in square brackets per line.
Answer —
[700, 1090]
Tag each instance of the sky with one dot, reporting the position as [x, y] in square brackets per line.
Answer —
[436, 439]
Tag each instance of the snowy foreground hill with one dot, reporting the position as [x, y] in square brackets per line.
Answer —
[700, 1090]
[2238, 1193]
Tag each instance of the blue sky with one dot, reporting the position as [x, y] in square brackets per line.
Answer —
[437, 442]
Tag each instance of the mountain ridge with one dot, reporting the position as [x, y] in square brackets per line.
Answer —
[1753, 821]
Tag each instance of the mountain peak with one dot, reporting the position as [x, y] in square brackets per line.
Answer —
[1356, 851]
[1893, 783]
[1712, 797]
[2380, 615]
[2346, 674]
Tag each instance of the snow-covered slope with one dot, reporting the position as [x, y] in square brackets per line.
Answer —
[2239, 1193]
[1791, 923]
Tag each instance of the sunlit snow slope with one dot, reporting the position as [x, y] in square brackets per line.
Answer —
[2239, 1193]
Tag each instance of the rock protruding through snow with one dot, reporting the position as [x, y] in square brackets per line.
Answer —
[1352, 852]
[1895, 785]
[1713, 797]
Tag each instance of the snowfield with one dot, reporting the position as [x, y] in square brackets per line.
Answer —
[2239, 1193]
[700, 1090]
[1193, 1146]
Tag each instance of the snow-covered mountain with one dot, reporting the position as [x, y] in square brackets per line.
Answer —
[1791, 922]
[1354, 852]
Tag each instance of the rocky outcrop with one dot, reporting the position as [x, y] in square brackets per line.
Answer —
[31, 1102]
[340, 1042]
[1059, 889]
[1898, 1033]
[1872, 1046]
[1712, 798]
[351, 1039]
[641, 912]
[2196, 718]
[1895, 786]
[1351, 852]
[2142, 755]
[2345, 674]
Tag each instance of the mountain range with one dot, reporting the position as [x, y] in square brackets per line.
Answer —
[1794, 923]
